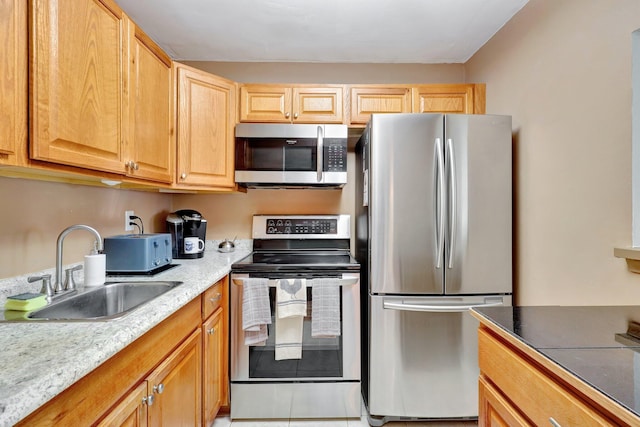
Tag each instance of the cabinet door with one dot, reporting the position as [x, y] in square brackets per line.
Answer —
[151, 145]
[495, 410]
[366, 101]
[13, 79]
[214, 360]
[446, 98]
[318, 105]
[130, 412]
[265, 103]
[176, 386]
[205, 128]
[77, 78]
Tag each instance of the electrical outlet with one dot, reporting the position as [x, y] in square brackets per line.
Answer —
[127, 226]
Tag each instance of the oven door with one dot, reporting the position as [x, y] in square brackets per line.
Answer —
[323, 359]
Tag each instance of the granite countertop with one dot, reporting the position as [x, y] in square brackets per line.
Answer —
[41, 359]
[590, 342]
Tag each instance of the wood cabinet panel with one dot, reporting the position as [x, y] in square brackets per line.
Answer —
[205, 128]
[131, 412]
[214, 298]
[13, 80]
[265, 103]
[368, 100]
[151, 144]
[496, 411]
[214, 365]
[176, 386]
[318, 104]
[449, 98]
[291, 103]
[543, 398]
[77, 76]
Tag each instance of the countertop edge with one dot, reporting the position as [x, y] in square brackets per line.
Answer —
[24, 388]
[558, 370]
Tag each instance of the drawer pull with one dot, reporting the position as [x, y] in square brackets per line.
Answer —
[211, 331]
[158, 388]
[147, 400]
[216, 298]
[554, 423]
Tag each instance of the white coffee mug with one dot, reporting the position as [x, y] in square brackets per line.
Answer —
[193, 245]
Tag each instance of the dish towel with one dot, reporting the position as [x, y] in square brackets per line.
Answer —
[256, 311]
[291, 307]
[325, 308]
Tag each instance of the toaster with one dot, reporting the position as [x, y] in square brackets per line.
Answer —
[137, 253]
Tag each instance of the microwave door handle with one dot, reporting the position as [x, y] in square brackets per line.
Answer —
[320, 153]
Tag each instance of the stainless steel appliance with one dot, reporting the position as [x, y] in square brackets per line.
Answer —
[291, 155]
[188, 231]
[325, 382]
[433, 236]
[138, 253]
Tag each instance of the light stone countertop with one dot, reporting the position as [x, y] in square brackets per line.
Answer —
[41, 359]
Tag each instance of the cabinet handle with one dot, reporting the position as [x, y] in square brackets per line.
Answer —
[147, 400]
[158, 388]
[211, 331]
[216, 298]
[554, 423]
[132, 165]
[287, 115]
[295, 116]
[183, 176]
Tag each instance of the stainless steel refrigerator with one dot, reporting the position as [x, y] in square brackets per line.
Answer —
[433, 237]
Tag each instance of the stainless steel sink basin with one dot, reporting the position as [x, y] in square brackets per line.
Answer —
[103, 303]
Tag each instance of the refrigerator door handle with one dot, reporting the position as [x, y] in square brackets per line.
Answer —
[320, 153]
[440, 207]
[440, 308]
[452, 199]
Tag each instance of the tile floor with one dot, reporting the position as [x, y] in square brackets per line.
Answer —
[224, 421]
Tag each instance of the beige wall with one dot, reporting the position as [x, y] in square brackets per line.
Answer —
[562, 69]
[260, 72]
[34, 213]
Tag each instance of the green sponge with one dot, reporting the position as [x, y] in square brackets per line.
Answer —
[25, 302]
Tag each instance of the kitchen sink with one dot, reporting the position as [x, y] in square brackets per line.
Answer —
[110, 301]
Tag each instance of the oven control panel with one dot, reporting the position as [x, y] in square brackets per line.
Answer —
[301, 226]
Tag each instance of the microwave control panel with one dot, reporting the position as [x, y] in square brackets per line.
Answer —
[335, 155]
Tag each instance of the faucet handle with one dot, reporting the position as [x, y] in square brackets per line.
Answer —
[46, 283]
[69, 282]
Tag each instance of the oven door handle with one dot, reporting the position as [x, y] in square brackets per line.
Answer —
[273, 282]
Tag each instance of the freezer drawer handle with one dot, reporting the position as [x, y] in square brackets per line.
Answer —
[452, 308]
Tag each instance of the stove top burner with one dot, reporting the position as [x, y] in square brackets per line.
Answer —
[271, 261]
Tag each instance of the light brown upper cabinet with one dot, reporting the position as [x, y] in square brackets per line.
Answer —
[150, 152]
[366, 100]
[100, 91]
[429, 98]
[270, 103]
[13, 80]
[449, 98]
[78, 77]
[205, 129]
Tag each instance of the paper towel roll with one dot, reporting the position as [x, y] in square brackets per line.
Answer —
[95, 269]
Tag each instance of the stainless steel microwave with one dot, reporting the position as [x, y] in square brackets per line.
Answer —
[291, 155]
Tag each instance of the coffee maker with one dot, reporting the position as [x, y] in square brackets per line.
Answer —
[188, 231]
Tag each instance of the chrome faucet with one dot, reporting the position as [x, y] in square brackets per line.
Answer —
[60, 286]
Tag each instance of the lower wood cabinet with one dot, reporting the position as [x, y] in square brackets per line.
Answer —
[215, 362]
[174, 375]
[517, 391]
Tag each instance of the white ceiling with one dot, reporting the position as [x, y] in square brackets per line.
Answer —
[332, 31]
